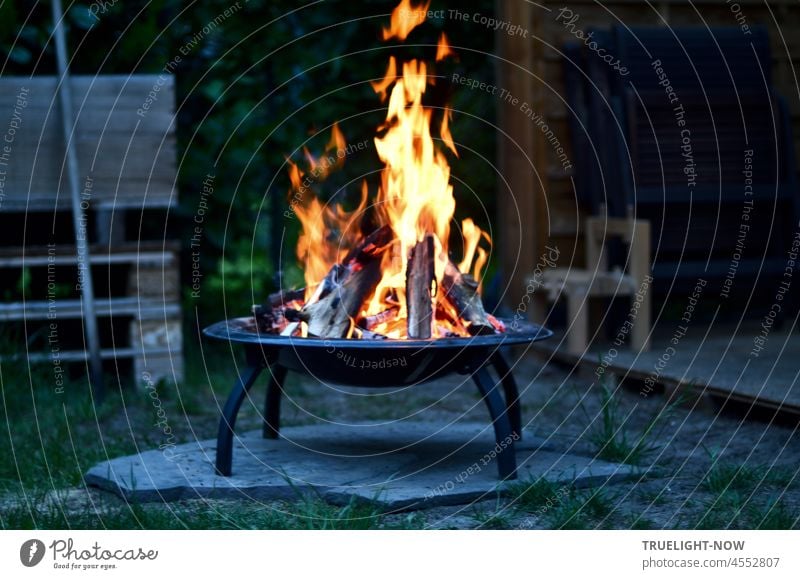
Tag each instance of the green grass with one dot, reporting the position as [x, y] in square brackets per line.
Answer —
[637, 522]
[733, 510]
[560, 506]
[306, 513]
[726, 476]
[746, 497]
[581, 510]
[532, 496]
[52, 439]
[498, 517]
[653, 497]
[610, 436]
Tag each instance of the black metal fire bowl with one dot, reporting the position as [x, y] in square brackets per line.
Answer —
[376, 363]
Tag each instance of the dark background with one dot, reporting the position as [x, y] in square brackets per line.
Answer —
[272, 78]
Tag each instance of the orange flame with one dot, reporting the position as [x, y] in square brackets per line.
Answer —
[328, 232]
[443, 49]
[472, 237]
[415, 197]
[390, 76]
[404, 19]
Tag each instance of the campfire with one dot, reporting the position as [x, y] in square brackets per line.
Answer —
[380, 285]
[397, 281]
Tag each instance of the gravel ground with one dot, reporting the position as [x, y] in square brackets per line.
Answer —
[689, 444]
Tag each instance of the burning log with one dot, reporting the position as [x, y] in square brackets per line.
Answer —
[372, 322]
[362, 334]
[265, 318]
[340, 296]
[462, 291]
[278, 310]
[419, 279]
[292, 315]
[284, 298]
[290, 329]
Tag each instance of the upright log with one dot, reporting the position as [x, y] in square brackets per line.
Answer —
[419, 280]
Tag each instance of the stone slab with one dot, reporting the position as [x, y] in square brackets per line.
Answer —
[401, 465]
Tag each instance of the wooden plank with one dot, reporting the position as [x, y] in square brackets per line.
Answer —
[145, 246]
[80, 356]
[110, 93]
[125, 150]
[163, 258]
[419, 281]
[718, 365]
[681, 3]
[71, 309]
[154, 280]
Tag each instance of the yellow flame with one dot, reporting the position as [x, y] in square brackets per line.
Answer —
[415, 196]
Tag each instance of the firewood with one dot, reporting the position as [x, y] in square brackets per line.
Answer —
[363, 334]
[445, 332]
[327, 285]
[446, 313]
[265, 318]
[290, 329]
[419, 279]
[346, 287]
[281, 299]
[462, 291]
[372, 322]
[292, 315]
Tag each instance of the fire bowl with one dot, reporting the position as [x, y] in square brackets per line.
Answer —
[375, 363]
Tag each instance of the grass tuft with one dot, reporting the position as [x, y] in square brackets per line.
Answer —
[610, 437]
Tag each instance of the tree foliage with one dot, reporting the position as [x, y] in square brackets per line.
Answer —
[255, 87]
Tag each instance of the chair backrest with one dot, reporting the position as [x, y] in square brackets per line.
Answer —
[678, 155]
[124, 137]
[634, 234]
[696, 59]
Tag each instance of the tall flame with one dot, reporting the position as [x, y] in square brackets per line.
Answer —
[415, 197]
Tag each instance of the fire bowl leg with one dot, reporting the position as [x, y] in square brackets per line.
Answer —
[511, 393]
[506, 457]
[272, 407]
[228, 419]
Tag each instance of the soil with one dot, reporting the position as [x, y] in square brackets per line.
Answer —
[561, 408]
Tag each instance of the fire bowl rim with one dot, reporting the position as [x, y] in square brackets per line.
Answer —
[232, 330]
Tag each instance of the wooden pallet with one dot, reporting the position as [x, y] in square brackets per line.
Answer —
[126, 155]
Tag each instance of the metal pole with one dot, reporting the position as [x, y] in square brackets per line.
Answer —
[78, 217]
